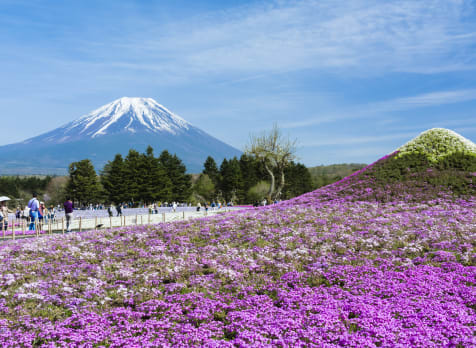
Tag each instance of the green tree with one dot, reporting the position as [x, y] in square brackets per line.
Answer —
[204, 188]
[83, 185]
[56, 190]
[156, 185]
[298, 180]
[176, 172]
[134, 176]
[211, 169]
[231, 184]
[251, 173]
[257, 192]
[113, 180]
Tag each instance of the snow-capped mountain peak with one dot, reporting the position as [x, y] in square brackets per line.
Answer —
[127, 115]
[116, 128]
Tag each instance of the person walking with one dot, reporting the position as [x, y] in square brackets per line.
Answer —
[33, 206]
[41, 215]
[4, 215]
[52, 213]
[119, 209]
[68, 212]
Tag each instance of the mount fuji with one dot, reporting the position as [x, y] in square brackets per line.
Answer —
[111, 129]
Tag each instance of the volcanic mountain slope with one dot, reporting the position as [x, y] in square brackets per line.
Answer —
[114, 128]
[438, 162]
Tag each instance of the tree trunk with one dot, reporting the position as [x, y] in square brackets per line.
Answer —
[272, 185]
[281, 185]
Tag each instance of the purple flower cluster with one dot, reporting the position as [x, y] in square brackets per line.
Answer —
[322, 270]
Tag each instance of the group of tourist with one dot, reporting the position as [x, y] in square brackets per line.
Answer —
[37, 212]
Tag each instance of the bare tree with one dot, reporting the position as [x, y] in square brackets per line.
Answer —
[275, 152]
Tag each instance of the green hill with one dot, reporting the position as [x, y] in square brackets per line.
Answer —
[324, 175]
[439, 162]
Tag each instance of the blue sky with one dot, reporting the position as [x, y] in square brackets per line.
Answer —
[350, 80]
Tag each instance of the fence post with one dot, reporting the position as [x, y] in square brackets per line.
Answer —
[110, 222]
[80, 223]
[62, 225]
[95, 223]
[36, 228]
[137, 222]
[13, 231]
[148, 219]
[23, 227]
[163, 217]
[184, 214]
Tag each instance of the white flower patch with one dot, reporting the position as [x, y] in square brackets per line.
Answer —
[68, 289]
[87, 255]
[32, 285]
[9, 279]
[74, 249]
[125, 273]
[94, 283]
[29, 296]
[437, 143]
[228, 273]
[157, 248]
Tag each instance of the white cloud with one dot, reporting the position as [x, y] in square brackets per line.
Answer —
[358, 140]
[373, 110]
[250, 42]
[437, 98]
[365, 36]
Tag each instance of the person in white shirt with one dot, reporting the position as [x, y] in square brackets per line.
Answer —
[4, 215]
[34, 205]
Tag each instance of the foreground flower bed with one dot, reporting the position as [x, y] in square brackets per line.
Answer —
[314, 271]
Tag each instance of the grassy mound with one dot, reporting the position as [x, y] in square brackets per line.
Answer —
[438, 163]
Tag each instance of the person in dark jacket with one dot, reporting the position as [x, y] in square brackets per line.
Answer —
[119, 210]
[68, 212]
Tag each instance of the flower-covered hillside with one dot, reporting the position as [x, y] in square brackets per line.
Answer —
[438, 163]
[318, 271]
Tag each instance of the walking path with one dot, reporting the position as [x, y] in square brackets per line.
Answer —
[84, 222]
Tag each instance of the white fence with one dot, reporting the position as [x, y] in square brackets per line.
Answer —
[19, 228]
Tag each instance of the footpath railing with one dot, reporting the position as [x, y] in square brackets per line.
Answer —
[19, 228]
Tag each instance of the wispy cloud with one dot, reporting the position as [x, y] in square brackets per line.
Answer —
[360, 36]
[434, 98]
[343, 140]
[247, 42]
[372, 110]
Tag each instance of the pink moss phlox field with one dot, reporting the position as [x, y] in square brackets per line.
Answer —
[322, 270]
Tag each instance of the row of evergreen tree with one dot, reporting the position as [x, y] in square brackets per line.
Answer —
[245, 180]
[144, 178]
[137, 178]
